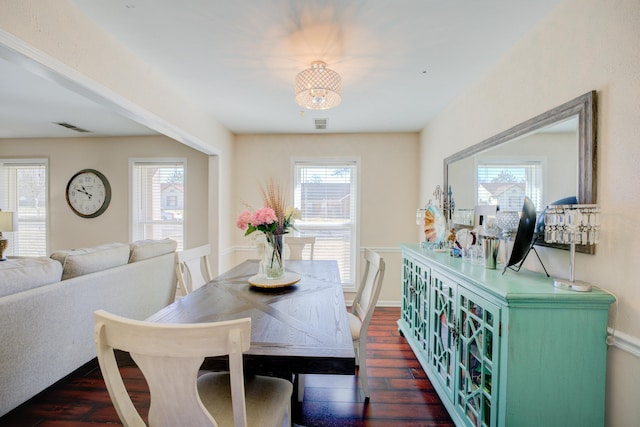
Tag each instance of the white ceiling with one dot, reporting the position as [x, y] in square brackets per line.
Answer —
[401, 61]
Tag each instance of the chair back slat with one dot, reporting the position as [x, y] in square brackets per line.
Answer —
[193, 268]
[369, 290]
[174, 397]
[297, 244]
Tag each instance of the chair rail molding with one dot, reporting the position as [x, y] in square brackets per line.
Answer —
[381, 249]
[624, 342]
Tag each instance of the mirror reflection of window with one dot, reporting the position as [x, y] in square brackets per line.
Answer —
[541, 157]
[506, 183]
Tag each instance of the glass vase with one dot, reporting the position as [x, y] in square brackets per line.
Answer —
[273, 256]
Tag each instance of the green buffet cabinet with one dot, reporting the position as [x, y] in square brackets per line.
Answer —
[505, 349]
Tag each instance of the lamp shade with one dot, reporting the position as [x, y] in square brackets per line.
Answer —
[572, 224]
[318, 88]
[8, 221]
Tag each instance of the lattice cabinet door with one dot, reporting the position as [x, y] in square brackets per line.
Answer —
[415, 282]
[478, 335]
[408, 290]
[441, 330]
[422, 281]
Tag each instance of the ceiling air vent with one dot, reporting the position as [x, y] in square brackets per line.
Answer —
[72, 127]
[321, 124]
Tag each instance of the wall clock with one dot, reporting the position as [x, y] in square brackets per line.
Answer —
[88, 193]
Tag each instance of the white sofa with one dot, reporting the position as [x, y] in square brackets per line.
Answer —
[47, 305]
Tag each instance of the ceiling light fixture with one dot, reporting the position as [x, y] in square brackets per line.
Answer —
[318, 88]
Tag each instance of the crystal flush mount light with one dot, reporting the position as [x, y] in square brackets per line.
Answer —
[318, 88]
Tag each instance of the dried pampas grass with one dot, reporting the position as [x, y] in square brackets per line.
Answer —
[275, 196]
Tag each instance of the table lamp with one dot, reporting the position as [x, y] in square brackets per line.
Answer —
[573, 225]
[7, 223]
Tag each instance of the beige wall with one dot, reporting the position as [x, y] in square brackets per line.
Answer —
[582, 45]
[388, 177]
[111, 157]
[221, 196]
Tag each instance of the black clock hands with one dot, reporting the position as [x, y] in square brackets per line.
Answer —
[84, 191]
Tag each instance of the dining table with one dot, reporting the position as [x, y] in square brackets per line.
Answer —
[296, 328]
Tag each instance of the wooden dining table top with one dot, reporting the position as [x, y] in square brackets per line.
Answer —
[302, 328]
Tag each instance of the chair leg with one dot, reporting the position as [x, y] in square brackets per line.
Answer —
[300, 387]
[288, 420]
[362, 372]
[356, 350]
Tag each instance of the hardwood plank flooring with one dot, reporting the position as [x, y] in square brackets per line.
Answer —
[401, 394]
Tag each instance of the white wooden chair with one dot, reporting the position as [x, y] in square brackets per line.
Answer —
[170, 357]
[193, 268]
[297, 244]
[364, 304]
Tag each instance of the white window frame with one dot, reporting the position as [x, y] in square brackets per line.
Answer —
[133, 162]
[354, 259]
[9, 202]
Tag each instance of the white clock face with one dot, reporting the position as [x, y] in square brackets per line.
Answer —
[88, 193]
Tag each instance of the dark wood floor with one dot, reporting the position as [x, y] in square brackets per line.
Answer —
[401, 395]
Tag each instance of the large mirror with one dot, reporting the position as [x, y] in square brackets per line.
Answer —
[547, 158]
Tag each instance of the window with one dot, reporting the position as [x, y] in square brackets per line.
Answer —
[326, 194]
[157, 199]
[23, 190]
[506, 184]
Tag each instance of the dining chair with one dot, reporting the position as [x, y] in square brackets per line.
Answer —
[297, 244]
[364, 303]
[193, 268]
[170, 357]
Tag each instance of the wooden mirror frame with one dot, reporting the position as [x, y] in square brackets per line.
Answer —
[584, 107]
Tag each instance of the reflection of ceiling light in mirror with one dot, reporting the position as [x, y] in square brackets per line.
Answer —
[318, 88]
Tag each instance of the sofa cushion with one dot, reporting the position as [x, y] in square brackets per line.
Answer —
[145, 249]
[77, 262]
[21, 274]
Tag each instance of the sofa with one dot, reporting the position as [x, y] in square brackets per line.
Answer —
[47, 305]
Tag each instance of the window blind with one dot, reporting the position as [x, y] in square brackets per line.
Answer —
[326, 194]
[158, 207]
[24, 190]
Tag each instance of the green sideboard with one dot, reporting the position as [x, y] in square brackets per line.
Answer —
[505, 350]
